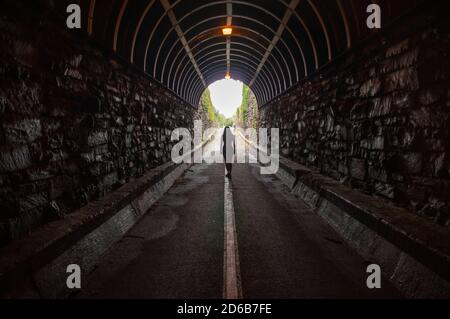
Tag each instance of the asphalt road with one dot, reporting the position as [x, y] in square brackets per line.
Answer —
[282, 249]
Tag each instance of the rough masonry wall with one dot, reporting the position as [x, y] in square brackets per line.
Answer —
[378, 119]
[74, 123]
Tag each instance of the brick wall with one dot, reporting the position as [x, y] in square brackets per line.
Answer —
[378, 118]
[74, 122]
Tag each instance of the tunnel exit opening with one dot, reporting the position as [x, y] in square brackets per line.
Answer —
[229, 102]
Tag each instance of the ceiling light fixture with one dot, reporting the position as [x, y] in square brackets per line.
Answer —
[227, 31]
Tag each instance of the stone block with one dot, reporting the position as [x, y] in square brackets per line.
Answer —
[406, 79]
[358, 168]
[398, 48]
[110, 179]
[370, 88]
[32, 201]
[381, 107]
[98, 138]
[412, 163]
[378, 174]
[73, 73]
[402, 100]
[421, 117]
[377, 143]
[59, 186]
[385, 190]
[14, 160]
[22, 131]
[431, 95]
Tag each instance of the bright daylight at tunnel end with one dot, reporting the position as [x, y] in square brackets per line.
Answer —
[233, 153]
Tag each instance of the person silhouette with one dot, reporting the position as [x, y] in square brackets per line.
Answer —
[228, 149]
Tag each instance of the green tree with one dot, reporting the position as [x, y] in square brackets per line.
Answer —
[244, 105]
[242, 112]
[208, 107]
[214, 116]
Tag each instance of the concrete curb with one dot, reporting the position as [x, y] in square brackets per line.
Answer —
[35, 266]
[414, 253]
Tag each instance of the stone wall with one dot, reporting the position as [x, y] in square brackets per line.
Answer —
[378, 118]
[74, 122]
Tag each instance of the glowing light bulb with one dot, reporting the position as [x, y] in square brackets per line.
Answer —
[227, 31]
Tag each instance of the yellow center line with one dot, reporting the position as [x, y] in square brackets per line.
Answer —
[232, 288]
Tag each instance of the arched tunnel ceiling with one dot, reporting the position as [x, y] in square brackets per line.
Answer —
[275, 43]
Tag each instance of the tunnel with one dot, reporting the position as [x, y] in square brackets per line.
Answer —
[272, 46]
[354, 98]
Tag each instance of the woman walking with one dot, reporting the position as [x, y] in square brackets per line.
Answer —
[228, 148]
